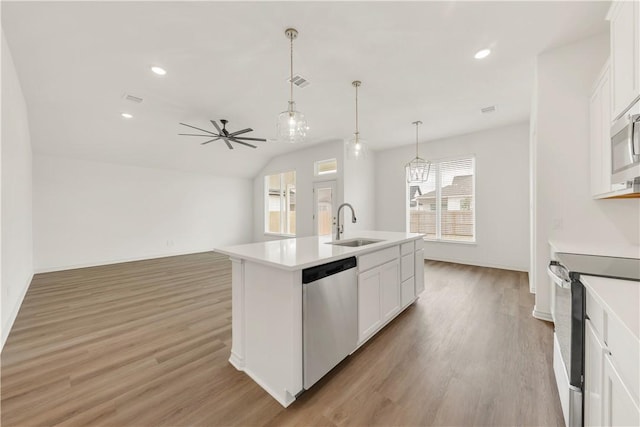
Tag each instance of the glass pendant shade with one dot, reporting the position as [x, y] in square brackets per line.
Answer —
[357, 148]
[292, 125]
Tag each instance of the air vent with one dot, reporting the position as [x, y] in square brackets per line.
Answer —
[490, 109]
[132, 98]
[299, 81]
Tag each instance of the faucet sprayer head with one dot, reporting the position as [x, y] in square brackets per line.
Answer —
[353, 219]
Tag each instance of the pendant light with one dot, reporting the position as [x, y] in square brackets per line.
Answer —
[357, 148]
[417, 170]
[292, 125]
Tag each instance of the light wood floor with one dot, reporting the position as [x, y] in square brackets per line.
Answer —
[146, 344]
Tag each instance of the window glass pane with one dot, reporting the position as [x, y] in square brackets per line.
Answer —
[456, 200]
[325, 209]
[280, 207]
[443, 207]
[422, 206]
[324, 167]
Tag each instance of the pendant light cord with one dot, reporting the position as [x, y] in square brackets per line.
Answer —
[291, 73]
[357, 132]
[417, 124]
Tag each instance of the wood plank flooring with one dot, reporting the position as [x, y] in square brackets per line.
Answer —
[146, 344]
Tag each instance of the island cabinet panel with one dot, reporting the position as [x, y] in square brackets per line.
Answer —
[273, 329]
[593, 364]
[619, 407]
[407, 292]
[419, 271]
[389, 290]
[369, 318]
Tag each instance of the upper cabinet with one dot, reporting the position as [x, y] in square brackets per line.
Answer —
[624, 17]
[600, 121]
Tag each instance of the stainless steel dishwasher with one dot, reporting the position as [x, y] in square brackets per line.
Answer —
[329, 316]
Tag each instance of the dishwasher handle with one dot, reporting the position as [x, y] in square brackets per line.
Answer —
[313, 274]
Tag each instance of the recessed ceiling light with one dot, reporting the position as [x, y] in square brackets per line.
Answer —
[482, 53]
[126, 115]
[159, 70]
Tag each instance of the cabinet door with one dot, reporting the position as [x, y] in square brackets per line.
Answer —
[619, 408]
[369, 317]
[593, 363]
[625, 64]
[595, 140]
[389, 290]
[419, 271]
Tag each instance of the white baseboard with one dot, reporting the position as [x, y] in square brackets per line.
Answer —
[6, 329]
[116, 261]
[478, 264]
[542, 315]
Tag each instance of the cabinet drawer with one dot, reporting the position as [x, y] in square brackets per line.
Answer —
[406, 266]
[406, 248]
[408, 291]
[365, 262]
[419, 243]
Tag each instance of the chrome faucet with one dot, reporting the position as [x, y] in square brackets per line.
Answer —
[339, 227]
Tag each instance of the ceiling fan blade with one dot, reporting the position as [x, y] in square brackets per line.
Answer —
[193, 134]
[243, 143]
[215, 125]
[241, 132]
[214, 139]
[226, 141]
[250, 139]
[203, 130]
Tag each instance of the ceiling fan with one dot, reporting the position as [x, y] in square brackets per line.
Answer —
[224, 134]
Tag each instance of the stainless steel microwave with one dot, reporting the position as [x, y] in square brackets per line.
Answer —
[625, 146]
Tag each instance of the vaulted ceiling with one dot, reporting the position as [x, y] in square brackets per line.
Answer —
[77, 60]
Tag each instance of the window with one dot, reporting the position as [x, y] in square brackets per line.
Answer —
[443, 208]
[280, 203]
[326, 167]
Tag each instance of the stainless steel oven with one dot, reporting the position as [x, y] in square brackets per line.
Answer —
[568, 318]
[625, 146]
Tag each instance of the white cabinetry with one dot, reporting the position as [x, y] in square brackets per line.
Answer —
[611, 383]
[593, 363]
[369, 318]
[389, 290]
[619, 408]
[624, 17]
[600, 121]
[419, 269]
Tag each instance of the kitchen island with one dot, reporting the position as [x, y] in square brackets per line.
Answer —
[267, 298]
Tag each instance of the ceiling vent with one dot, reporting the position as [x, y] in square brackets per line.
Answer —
[299, 81]
[490, 109]
[132, 98]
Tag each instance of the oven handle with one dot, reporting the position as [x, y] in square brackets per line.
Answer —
[559, 281]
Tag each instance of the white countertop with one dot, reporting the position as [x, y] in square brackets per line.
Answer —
[586, 247]
[303, 252]
[619, 297]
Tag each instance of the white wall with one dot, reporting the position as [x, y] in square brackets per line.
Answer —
[360, 191]
[17, 240]
[502, 195]
[90, 213]
[301, 161]
[564, 209]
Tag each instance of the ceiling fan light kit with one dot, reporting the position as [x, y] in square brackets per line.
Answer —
[292, 125]
[417, 170]
[356, 147]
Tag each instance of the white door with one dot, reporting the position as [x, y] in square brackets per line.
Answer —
[324, 207]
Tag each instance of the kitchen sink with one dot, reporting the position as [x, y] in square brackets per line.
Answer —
[353, 243]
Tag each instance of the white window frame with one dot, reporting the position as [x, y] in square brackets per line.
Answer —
[284, 200]
[435, 168]
[316, 168]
